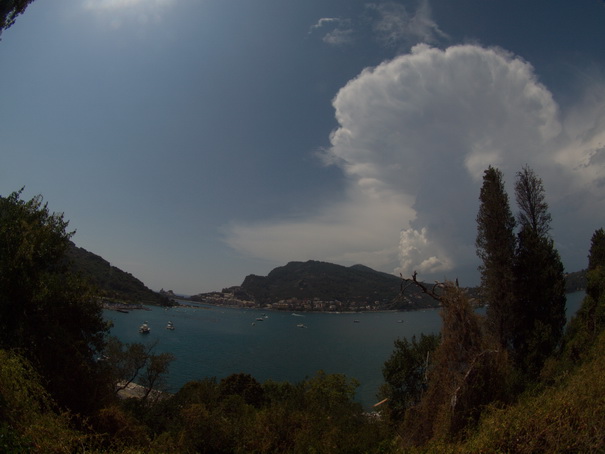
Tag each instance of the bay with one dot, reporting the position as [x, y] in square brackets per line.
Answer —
[211, 341]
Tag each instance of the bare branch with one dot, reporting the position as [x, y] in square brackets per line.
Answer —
[425, 290]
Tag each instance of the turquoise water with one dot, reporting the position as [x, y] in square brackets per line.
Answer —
[213, 341]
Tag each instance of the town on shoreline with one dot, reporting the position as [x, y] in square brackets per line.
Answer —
[230, 298]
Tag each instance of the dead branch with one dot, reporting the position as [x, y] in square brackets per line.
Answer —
[414, 281]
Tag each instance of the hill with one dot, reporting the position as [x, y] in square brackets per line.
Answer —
[111, 281]
[329, 282]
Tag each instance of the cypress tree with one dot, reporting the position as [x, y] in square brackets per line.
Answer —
[496, 248]
[539, 278]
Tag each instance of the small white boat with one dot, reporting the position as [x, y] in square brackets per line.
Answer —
[170, 326]
[301, 325]
[144, 328]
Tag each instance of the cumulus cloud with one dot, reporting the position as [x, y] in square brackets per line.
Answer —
[415, 135]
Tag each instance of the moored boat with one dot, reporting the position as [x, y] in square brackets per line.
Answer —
[144, 328]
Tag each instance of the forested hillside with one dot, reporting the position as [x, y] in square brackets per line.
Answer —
[110, 281]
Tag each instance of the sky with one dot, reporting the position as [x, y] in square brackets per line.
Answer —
[194, 142]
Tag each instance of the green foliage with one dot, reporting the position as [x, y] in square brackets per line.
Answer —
[540, 303]
[243, 385]
[118, 429]
[240, 415]
[568, 417]
[405, 375]
[589, 322]
[129, 362]
[29, 421]
[596, 256]
[45, 311]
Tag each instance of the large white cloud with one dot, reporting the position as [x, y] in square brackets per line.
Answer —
[414, 136]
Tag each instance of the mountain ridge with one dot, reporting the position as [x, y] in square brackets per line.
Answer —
[327, 281]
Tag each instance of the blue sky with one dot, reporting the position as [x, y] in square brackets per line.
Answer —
[194, 142]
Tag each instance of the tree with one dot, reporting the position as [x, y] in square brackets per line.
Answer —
[496, 248]
[596, 265]
[9, 10]
[406, 374]
[154, 375]
[533, 209]
[46, 312]
[539, 278]
[468, 372]
[129, 362]
[243, 385]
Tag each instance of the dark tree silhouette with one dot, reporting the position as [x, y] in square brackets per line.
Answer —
[9, 10]
[496, 248]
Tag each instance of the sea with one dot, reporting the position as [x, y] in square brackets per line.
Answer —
[217, 341]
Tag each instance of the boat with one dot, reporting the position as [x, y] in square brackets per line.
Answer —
[301, 325]
[170, 326]
[144, 328]
[260, 319]
[355, 321]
